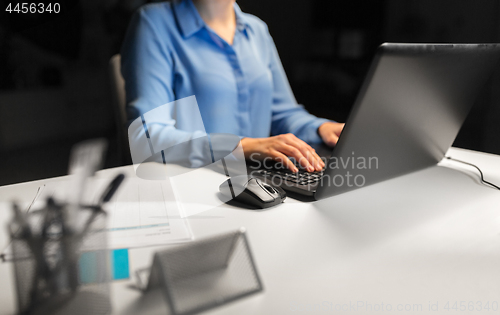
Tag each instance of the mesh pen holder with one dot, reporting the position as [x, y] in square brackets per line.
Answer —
[57, 270]
[206, 273]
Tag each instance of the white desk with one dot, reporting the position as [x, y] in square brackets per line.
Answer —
[402, 245]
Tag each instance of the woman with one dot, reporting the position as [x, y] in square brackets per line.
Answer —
[228, 60]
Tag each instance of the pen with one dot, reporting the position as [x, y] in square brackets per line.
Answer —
[106, 196]
[111, 189]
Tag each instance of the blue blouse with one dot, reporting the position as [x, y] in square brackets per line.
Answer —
[170, 53]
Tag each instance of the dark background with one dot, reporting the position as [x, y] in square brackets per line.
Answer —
[55, 89]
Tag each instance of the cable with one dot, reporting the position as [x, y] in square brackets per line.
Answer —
[470, 164]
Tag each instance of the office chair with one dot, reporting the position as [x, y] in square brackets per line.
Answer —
[118, 93]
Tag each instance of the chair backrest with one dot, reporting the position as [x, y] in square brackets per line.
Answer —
[118, 92]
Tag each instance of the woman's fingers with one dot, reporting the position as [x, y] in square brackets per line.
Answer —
[308, 155]
[313, 159]
[292, 151]
[278, 156]
[331, 139]
[281, 147]
[312, 155]
[330, 132]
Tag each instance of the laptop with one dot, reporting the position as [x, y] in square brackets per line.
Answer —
[407, 114]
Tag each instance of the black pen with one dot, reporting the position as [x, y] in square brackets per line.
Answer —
[106, 196]
[111, 189]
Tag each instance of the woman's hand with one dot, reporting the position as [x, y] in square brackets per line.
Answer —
[330, 132]
[280, 147]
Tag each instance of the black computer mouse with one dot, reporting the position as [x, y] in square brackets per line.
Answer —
[252, 191]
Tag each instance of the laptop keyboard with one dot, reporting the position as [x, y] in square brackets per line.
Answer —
[299, 178]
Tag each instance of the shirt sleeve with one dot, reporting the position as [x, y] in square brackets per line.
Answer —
[287, 115]
[147, 67]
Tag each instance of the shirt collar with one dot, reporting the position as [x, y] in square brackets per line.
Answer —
[191, 22]
[241, 20]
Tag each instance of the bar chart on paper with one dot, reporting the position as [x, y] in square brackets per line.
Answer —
[139, 207]
[145, 213]
[141, 213]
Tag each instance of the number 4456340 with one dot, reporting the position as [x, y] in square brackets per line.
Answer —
[33, 8]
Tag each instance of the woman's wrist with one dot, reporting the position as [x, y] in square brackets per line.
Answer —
[248, 146]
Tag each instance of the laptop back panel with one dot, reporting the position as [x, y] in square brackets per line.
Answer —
[408, 112]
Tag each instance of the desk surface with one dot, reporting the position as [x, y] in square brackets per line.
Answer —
[417, 243]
